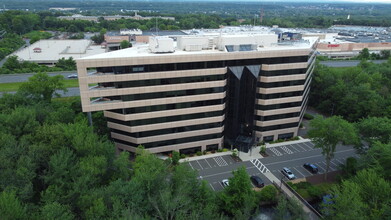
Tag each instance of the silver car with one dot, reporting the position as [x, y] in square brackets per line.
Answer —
[288, 173]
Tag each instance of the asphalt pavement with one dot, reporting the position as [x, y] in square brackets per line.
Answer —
[293, 156]
[23, 77]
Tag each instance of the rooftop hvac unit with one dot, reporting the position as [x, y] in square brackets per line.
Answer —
[161, 45]
[193, 47]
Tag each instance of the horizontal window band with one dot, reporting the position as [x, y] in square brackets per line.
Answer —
[156, 108]
[170, 94]
[276, 117]
[167, 119]
[174, 141]
[169, 130]
[200, 65]
[277, 106]
[276, 127]
[160, 82]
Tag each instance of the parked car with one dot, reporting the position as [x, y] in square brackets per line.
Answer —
[311, 167]
[288, 173]
[72, 76]
[257, 181]
[225, 182]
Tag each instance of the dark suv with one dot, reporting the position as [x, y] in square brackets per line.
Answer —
[310, 167]
[257, 181]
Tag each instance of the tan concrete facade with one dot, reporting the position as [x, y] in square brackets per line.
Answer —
[179, 114]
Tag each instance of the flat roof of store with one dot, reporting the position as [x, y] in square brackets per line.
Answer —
[53, 50]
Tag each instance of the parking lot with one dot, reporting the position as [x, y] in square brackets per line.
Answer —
[292, 156]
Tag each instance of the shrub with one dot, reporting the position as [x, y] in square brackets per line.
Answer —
[225, 150]
[199, 153]
[268, 194]
[175, 157]
[183, 156]
[220, 150]
[262, 150]
[308, 116]
[204, 152]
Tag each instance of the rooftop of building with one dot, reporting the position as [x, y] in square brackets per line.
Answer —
[53, 50]
[224, 43]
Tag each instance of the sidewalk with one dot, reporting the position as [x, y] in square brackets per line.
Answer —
[254, 153]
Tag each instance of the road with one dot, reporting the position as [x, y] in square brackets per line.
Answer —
[23, 77]
[75, 91]
[293, 156]
[346, 63]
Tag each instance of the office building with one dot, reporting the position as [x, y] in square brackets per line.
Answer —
[200, 92]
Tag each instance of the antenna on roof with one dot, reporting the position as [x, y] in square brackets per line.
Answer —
[156, 27]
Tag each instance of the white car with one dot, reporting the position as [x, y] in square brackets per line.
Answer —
[225, 182]
[288, 173]
[72, 76]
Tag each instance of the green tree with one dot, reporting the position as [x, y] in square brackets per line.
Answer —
[12, 63]
[238, 199]
[125, 44]
[66, 64]
[364, 54]
[55, 210]
[374, 129]
[326, 133]
[175, 157]
[345, 203]
[41, 86]
[11, 207]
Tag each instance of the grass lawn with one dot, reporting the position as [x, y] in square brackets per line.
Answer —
[9, 87]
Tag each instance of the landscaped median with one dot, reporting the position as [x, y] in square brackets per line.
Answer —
[10, 87]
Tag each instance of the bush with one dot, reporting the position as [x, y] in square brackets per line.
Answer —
[204, 152]
[225, 150]
[308, 116]
[199, 153]
[262, 150]
[183, 156]
[220, 150]
[268, 194]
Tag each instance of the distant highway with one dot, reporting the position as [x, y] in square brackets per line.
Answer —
[23, 77]
[346, 63]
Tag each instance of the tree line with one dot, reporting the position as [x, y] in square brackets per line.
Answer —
[54, 166]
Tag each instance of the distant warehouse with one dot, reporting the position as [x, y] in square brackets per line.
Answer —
[48, 52]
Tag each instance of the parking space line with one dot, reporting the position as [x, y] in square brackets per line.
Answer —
[334, 164]
[212, 186]
[275, 151]
[191, 166]
[294, 148]
[302, 147]
[305, 143]
[287, 150]
[208, 163]
[308, 171]
[299, 171]
[199, 165]
[220, 161]
[339, 162]
[211, 161]
[324, 169]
